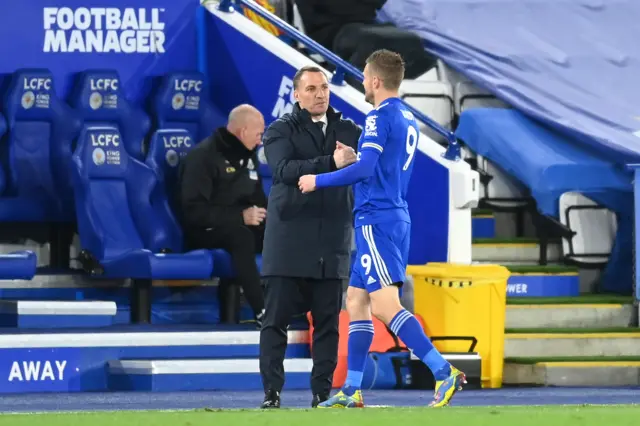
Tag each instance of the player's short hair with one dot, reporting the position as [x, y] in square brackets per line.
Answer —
[388, 66]
[302, 71]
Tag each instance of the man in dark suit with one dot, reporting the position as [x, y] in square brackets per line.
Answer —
[307, 241]
[223, 204]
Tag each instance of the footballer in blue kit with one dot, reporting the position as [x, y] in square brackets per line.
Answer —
[382, 219]
[381, 174]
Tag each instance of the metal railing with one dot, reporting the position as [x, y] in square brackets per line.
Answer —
[342, 67]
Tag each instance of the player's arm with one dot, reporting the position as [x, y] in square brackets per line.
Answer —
[280, 153]
[356, 172]
[375, 137]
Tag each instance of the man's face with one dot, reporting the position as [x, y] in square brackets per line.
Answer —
[251, 134]
[368, 85]
[312, 93]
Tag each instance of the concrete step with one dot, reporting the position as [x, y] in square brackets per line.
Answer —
[572, 342]
[583, 299]
[200, 374]
[74, 360]
[570, 315]
[521, 250]
[29, 314]
[596, 371]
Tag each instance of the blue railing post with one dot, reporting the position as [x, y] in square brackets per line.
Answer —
[338, 77]
[453, 148]
[226, 6]
[636, 207]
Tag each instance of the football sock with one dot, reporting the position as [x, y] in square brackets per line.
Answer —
[408, 329]
[360, 338]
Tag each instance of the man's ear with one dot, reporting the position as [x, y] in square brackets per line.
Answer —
[295, 95]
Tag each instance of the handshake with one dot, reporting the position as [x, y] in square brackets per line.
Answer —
[343, 156]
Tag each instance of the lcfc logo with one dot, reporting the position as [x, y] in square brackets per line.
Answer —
[98, 156]
[28, 98]
[95, 100]
[172, 158]
[178, 101]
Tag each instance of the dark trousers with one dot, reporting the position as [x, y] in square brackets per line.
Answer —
[285, 297]
[355, 42]
[242, 243]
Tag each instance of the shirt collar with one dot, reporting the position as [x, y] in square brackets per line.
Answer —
[323, 119]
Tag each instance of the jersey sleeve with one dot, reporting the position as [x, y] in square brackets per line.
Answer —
[376, 131]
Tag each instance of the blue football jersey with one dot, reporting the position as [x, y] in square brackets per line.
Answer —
[392, 131]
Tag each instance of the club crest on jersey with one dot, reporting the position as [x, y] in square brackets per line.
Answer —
[370, 128]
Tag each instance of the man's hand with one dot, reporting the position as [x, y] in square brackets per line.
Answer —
[307, 183]
[343, 155]
[340, 145]
[254, 216]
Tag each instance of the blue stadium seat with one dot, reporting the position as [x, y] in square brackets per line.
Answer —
[116, 217]
[18, 265]
[166, 149]
[98, 98]
[264, 171]
[3, 179]
[41, 129]
[181, 102]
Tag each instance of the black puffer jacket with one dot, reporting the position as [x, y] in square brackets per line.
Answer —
[218, 180]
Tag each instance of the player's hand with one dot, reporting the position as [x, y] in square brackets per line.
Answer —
[307, 183]
[254, 216]
[343, 155]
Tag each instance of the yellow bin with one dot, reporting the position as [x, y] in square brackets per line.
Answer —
[465, 300]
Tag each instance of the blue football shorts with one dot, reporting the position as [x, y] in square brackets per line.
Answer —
[382, 255]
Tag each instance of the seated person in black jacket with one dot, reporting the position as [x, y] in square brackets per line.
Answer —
[349, 29]
[222, 201]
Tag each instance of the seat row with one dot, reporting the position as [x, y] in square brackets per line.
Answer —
[41, 131]
[125, 221]
[90, 161]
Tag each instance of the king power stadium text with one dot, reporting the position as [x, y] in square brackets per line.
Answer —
[516, 288]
